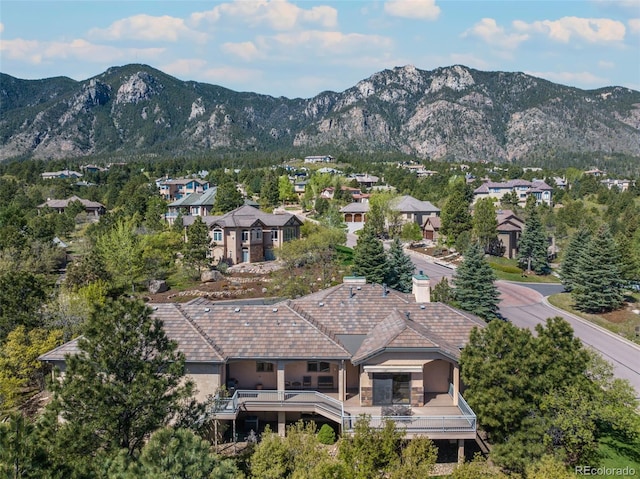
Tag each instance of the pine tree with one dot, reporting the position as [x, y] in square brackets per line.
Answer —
[475, 290]
[485, 224]
[126, 382]
[533, 245]
[401, 268]
[575, 249]
[197, 247]
[455, 214]
[369, 257]
[598, 287]
[228, 197]
[269, 193]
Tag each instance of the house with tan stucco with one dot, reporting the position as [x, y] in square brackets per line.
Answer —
[331, 356]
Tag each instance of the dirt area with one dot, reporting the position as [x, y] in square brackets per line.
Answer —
[233, 286]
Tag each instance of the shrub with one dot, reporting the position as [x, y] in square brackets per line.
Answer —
[326, 435]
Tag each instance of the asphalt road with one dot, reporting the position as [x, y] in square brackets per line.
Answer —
[524, 306]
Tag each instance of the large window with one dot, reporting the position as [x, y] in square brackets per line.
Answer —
[245, 235]
[289, 234]
[318, 367]
[217, 235]
[264, 367]
[274, 234]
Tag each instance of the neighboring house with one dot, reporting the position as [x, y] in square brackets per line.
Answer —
[510, 229]
[523, 188]
[319, 159]
[172, 190]
[63, 174]
[90, 207]
[561, 182]
[622, 185]
[194, 204]
[93, 168]
[248, 235]
[431, 228]
[329, 192]
[595, 172]
[349, 350]
[299, 187]
[365, 180]
[419, 170]
[414, 210]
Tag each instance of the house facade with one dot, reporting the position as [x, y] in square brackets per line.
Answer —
[62, 174]
[523, 189]
[194, 204]
[248, 235]
[172, 190]
[334, 355]
[510, 229]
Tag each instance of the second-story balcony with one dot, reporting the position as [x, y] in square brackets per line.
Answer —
[439, 418]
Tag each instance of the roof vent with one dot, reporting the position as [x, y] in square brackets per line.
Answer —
[237, 310]
[275, 310]
[206, 310]
[351, 292]
[408, 315]
[321, 304]
[384, 290]
[359, 288]
[155, 308]
[422, 306]
[246, 323]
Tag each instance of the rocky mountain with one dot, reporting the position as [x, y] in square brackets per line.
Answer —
[454, 113]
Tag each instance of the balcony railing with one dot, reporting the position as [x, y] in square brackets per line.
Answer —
[228, 407]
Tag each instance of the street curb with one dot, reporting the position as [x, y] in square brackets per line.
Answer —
[586, 322]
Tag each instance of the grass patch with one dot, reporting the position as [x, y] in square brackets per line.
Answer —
[622, 321]
[508, 270]
[344, 255]
[615, 454]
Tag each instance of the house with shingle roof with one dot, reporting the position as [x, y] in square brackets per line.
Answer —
[91, 207]
[62, 174]
[348, 350]
[194, 204]
[523, 188]
[248, 235]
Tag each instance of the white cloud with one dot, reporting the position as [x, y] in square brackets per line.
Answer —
[490, 32]
[422, 9]
[147, 28]
[277, 14]
[330, 43]
[35, 52]
[571, 78]
[593, 30]
[247, 51]
[634, 25]
[606, 64]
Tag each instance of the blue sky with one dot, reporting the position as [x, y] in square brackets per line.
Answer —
[300, 48]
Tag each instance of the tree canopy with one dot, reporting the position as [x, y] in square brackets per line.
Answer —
[474, 281]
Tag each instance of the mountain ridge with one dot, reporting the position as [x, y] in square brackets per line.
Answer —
[452, 113]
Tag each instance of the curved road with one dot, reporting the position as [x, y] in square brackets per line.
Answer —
[526, 307]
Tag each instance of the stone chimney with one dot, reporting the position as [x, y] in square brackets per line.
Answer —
[421, 288]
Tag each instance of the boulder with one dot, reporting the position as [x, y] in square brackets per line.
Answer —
[158, 286]
[211, 276]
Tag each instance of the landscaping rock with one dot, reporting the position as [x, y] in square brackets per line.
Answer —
[158, 286]
[211, 276]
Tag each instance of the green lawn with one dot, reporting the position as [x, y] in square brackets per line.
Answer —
[616, 454]
[622, 322]
[507, 269]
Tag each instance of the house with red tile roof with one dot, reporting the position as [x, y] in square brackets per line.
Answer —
[333, 355]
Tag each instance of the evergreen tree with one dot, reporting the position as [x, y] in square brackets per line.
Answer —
[197, 247]
[399, 276]
[443, 292]
[475, 290]
[575, 249]
[533, 245]
[598, 287]
[126, 381]
[369, 257]
[455, 213]
[485, 224]
[228, 198]
[509, 200]
[269, 192]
